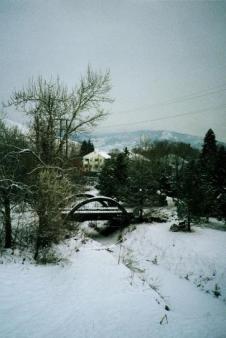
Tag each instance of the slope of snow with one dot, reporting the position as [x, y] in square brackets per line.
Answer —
[199, 256]
[124, 290]
[89, 297]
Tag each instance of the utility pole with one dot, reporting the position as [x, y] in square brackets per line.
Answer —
[63, 127]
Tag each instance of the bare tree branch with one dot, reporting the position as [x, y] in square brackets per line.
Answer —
[50, 102]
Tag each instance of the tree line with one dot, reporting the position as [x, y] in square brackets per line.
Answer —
[195, 179]
[202, 190]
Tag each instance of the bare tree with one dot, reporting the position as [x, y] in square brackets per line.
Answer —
[57, 112]
[12, 172]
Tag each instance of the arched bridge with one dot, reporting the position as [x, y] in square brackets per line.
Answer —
[98, 208]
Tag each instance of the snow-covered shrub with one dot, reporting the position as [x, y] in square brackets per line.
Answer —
[48, 256]
[51, 197]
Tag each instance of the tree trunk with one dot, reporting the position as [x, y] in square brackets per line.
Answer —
[40, 233]
[37, 246]
[7, 222]
[141, 214]
[189, 221]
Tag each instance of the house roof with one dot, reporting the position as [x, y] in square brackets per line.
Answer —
[97, 153]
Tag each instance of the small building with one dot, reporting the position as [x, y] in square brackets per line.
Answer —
[94, 161]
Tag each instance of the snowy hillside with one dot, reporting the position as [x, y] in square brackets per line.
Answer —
[154, 284]
[119, 140]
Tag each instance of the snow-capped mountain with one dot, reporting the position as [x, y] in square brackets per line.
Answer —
[130, 139]
[119, 140]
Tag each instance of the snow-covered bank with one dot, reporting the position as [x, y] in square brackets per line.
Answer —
[90, 295]
[199, 256]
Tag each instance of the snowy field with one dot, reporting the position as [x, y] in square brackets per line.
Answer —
[153, 284]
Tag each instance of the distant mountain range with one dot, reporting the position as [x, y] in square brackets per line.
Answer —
[120, 140]
[130, 139]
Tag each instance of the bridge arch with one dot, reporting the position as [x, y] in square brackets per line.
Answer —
[104, 201]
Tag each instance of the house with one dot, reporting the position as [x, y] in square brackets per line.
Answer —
[94, 161]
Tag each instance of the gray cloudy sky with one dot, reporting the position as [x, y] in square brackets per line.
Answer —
[166, 58]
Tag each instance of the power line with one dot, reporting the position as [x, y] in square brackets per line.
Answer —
[165, 117]
[199, 94]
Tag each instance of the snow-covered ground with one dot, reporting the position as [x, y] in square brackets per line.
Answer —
[153, 284]
[198, 257]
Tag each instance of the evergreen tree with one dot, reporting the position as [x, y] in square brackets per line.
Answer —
[221, 169]
[208, 182]
[107, 179]
[130, 180]
[221, 182]
[209, 153]
[90, 146]
[86, 148]
[142, 185]
[190, 202]
[113, 176]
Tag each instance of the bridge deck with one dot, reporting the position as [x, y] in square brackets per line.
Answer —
[98, 214]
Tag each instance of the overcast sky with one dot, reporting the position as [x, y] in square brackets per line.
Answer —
[167, 59]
